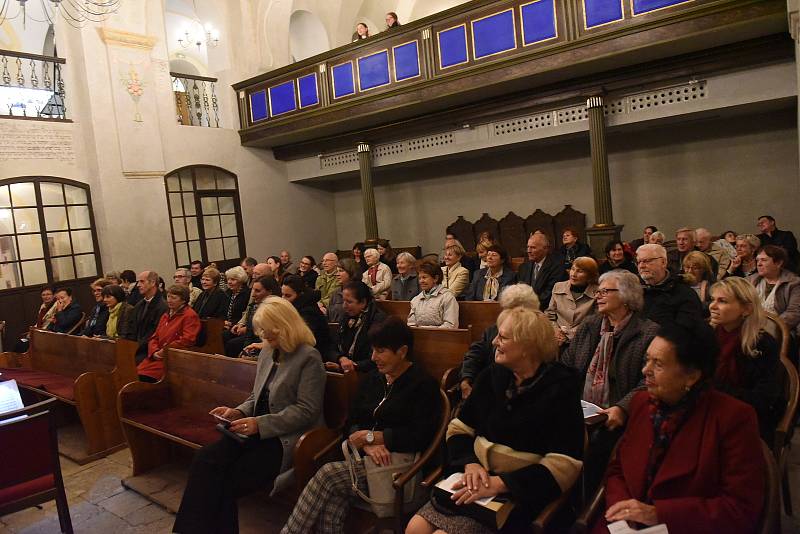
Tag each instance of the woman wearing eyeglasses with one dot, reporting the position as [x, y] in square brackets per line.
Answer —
[609, 351]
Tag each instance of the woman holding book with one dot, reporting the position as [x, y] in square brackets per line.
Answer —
[396, 409]
[519, 434]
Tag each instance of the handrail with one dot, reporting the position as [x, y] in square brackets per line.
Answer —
[192, 77]
[35, 57]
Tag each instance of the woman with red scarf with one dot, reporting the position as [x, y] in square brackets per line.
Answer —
[691, 456]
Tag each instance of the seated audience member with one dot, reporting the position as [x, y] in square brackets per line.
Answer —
[196, 268]
[95, 324]
[237, 295]
[480, 251]
[388, 255]
[130, 285]
[327, 281]
[685, 243]
[113, 277]
[178, 328]
[305, 301]
[727, 242]
[212, 302]
[358, 257]
[697, 267]
[391, 20]
[466, 261]
[455, 275]
[183, 277]
[360, 313]
[770, 235]
[434, 306]
[667, 298]
[609, 352]
[744, 263]
[777, 287]
[67, 314]
[703, 240]
[542, 269]
[286, 401]
[657, 238]
[378, 276]
[571, 248]
[481, 353]
[346, 272]
[244, 336]
[362, 32]
[162, 287]
[121, 318]
[148, 311]
[405, 284]
[248, 264]
[574, 299]
[286, 262]
[45, 316]
[488, 283]
[306, 271]
[729, 236]
[618, 258]
[528, 407]
[379, 424]
[749, 359]
[259, 271]
[274, 263]
[690, 457]
[645, 239]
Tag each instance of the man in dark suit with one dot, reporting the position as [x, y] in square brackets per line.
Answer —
[148, 311]
[770, 235]
[543, 268]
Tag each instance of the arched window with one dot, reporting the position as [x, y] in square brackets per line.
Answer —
[206, 215]
[47, 232]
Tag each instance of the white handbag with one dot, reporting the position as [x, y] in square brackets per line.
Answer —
[380, 479]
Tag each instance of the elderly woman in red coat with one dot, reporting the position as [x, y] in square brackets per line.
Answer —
[178, 328]
[691, 456]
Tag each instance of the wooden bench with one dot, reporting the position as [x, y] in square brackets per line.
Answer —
[211, 334]
[438, 350]
[471, 314]
[82, 372]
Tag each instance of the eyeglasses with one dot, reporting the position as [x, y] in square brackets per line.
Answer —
[646, 260]
[604, 291]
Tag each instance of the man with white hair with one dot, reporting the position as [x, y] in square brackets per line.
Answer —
[183, 277]
[543, 268]
[685, 243]
[703, 242]
[286, 261]
[667, 298]
[378, 276]
[327, 281]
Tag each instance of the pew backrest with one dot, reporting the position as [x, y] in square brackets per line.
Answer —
[398, 308]
[438, 349]
[71, 355]
[478, 315]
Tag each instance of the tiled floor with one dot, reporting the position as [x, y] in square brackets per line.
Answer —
[99, 504]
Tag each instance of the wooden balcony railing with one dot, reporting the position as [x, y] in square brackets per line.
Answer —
[32, 86]
[196, 102]
[479, 52]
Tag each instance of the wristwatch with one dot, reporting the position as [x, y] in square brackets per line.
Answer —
[370, 437]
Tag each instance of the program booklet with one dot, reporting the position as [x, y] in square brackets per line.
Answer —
[10, 399]
[490, 511]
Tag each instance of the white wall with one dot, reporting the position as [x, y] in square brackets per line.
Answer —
[720, 174]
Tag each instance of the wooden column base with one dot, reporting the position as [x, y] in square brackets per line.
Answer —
[598, 236]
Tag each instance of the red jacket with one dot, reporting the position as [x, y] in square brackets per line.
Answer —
[180, 330]
[712, 479]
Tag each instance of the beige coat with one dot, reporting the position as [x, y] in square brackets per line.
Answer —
[383, 285]
[455, 278]
[722, 257]
[568, 313]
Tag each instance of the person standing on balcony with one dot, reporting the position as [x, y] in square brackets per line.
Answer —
[391, 20]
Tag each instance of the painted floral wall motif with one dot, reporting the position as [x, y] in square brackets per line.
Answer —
[135, 87]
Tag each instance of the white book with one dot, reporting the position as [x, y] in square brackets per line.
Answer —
[10, 399]
[621, 527]
[447, 485]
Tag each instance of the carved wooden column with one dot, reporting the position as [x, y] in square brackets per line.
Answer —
[367, 194]
[604, 228]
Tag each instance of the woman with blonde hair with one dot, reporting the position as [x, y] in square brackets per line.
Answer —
[748, 362]
[699, 275]
[519, 434]
[262, 431]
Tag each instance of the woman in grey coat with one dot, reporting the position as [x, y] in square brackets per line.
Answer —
[286, 402]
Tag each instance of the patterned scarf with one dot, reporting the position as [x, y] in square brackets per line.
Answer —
[373, 274]
[492, 286]
[667, 421]
[595, 388]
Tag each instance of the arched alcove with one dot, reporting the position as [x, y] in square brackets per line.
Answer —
[307, 35]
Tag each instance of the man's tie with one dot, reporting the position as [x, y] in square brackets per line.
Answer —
[535, 274]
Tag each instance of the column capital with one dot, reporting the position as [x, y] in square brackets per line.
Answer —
[363, 147]
[594, 102]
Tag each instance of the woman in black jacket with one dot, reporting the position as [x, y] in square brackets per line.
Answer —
[306, 302]
[529, 404]
[353, 349]
[396, 409]
[572, 248]
[212, 302]
[237, 295]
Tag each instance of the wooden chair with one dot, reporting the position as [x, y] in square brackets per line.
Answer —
[769, 522]
[31, 473]
[784, 430]
[82, 372]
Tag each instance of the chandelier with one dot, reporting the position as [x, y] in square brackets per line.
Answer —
[190, 38]
[74, 12]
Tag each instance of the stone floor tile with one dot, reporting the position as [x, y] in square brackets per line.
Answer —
[147, 515]
[124, 503]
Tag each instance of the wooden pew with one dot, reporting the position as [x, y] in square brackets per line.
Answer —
[82, 372]
[439, 349]
[211, 333]
[478, 316]
[398, 308]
